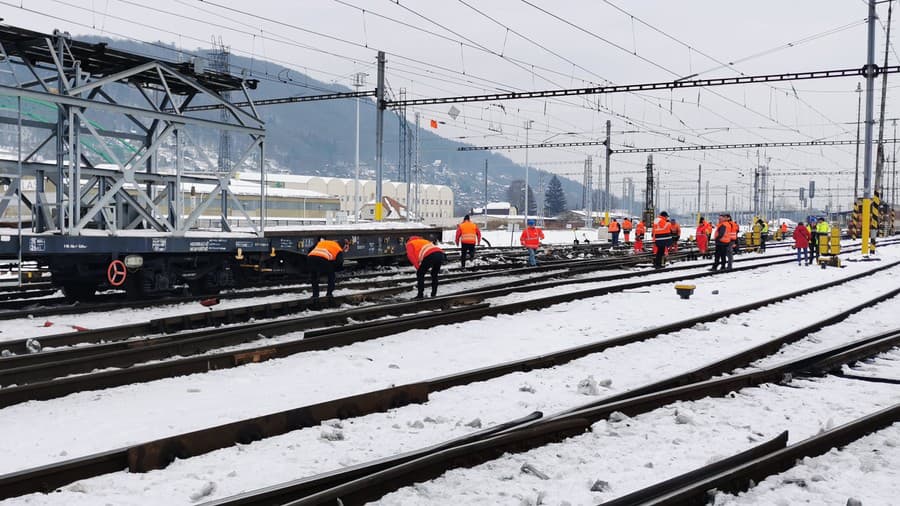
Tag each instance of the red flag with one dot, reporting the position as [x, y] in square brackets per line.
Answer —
[434, 123]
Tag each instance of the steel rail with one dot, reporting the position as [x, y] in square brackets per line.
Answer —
[37, 382]
[310, 491]
[157, 454]
[742, 476]
[168, 325]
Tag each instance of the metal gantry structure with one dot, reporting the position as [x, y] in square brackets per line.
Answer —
[83, 176]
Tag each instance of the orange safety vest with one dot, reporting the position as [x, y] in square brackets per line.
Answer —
[733, 229]
[614, 226]
[626, 225]
[662, 229]
[725, 236]
[468, 233]
[784, 228]
[417, 249]
[329, 250]
[641, 228]
[531, 237]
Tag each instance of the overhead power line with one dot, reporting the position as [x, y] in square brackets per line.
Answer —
[626, 88]
[661, 149]
[286, 100]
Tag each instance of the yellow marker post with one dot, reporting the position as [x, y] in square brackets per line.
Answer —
[378, 211]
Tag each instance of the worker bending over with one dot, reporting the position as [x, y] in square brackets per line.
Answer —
[425, 257]
[324, 259]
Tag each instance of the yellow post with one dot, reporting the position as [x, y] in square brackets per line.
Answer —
[866, 224]
[606, 219]
[378, 211]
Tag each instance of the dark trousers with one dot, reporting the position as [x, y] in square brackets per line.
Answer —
[615, 238]
[814, 245]
[431, 263]
[804, 254]
[762, 241]
[721, 251]
[661, 246]
[319, 267]
[467, 249]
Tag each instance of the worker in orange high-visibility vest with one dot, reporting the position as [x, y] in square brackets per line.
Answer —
[324, 259]
[662, 236]
[614, 229]
[467, 234]
[640, 231]
[626, 228]
[426, 258]
[531, 238]
[733, 230]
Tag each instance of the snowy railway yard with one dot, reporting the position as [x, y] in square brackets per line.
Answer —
[634, 386]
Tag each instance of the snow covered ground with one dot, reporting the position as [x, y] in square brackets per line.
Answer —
[43, 432]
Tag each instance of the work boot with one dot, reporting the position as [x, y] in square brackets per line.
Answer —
[420, 296]
[330, 300]
[433, 292]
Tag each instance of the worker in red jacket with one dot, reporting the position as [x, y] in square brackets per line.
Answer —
[531, 238]
[801, 242]
[324, 258]
[702, 236]
[469, 235]
[640, 231]
[425, 257]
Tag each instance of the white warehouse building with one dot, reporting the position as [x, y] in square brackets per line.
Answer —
[435, 201]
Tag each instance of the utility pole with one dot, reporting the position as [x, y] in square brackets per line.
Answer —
[879, 166]
[608, 155]
[649, 207]
[589, 192]
[858, 120]
[484, 209]
[699, 186]
[870, 71]
[379, 135]
[416, 195]
[528, 124]
[359, 80]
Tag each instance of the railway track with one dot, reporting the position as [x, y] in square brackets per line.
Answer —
[384, 289]
[370, 481]
[158, 453]
[19, 307]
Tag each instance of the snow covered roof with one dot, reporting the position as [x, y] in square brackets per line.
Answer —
[301, 179]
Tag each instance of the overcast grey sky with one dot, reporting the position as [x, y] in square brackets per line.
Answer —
[450, 48]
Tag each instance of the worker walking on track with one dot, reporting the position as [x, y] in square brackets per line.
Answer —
[626, 229]
[324, 259]
[763, 234]
[469, 235]
[531, 238]
[425, 257]
[722, 239]
[801, 242]
[784, 229]
[662, 235]
[614, 230]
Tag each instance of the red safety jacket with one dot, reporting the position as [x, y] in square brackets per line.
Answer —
[531, 237]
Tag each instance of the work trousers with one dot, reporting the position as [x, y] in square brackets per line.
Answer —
[615, 238]
[467, 249]
[661, 246]
[431, 263]
[803, 253]
[319, 267]
[627, 235]
[814, 246]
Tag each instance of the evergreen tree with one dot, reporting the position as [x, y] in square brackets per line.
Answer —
[554, 198]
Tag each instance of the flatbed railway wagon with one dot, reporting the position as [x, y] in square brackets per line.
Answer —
[147, 264]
